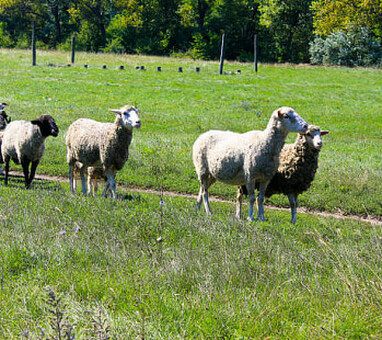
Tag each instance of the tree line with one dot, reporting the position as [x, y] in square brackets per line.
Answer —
[285, 28]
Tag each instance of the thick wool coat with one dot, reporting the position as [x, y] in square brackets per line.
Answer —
[297, 169]
[98, 144]
[22, 139]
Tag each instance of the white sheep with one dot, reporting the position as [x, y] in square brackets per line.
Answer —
[24, 143]
[101, 145]
[244, 159]
[297, 168]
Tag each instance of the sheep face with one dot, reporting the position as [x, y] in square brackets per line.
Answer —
[47, 125]
[129, 116]
[290, 120]
[313, 137]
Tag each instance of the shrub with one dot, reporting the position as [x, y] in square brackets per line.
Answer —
[354, 48]
[5, 40]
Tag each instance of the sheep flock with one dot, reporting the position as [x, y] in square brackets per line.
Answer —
[254, 160]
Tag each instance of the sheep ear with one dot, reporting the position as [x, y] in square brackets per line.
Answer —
[115, 111]
[280, 114]
[323, 133]
[36, 122]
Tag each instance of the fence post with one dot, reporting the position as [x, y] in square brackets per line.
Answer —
[255, 51]
[222, 55]
[33, 44]
[73, 48]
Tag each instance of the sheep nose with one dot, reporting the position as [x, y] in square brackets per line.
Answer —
[305, 126]
[139, 123]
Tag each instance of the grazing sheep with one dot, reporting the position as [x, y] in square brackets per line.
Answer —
[93, 175]
[297, 168]
[246, 158]
[101, 145]
[24, 142]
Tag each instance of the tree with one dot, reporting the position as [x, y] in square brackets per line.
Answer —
[347, 15]
[92, 17]
[208, 19]
[49, 15]
[290, 23]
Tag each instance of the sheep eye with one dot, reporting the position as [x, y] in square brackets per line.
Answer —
[286, 117]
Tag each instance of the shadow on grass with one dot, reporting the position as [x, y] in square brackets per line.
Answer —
[17, 181]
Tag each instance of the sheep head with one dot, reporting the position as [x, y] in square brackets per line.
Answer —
[128, 116]
[290, 120]
[47, 125]
[4, 119]
[313, 137]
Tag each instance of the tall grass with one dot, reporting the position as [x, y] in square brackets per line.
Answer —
[134, 268]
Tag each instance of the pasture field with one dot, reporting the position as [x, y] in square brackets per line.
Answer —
[136, 268]
[177, 107]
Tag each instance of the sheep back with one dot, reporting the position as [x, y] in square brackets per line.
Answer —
[22, 139]
[98, 144]
[230, 156]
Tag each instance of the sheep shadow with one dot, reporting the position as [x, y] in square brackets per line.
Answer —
[17, 181]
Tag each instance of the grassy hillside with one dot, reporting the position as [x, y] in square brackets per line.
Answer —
[177, 107]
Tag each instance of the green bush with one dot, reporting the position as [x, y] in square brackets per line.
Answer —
[354, 48]
[5, 40]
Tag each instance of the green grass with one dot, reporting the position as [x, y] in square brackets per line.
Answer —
[133, 268]
[177, 107]
[208, 278]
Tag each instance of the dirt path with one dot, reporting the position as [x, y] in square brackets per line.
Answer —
[369, 219]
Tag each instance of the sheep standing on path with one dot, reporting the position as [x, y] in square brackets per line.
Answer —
[101, 145]
[24, 143]
[297, 168]
[244, 159]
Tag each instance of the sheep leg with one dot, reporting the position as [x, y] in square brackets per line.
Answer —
[206, 182]
[33, 172]
[239, 201]
[90, 186]
[110, 183]
[83, 181]
[72, 179]
[6, 160]
[25, 164]
[200, 197]
[260, 201]
[293, 207]
[95, 185]
[251, 196]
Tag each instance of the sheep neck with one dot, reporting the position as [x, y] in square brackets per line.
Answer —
[123, 135]
[274, 138]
